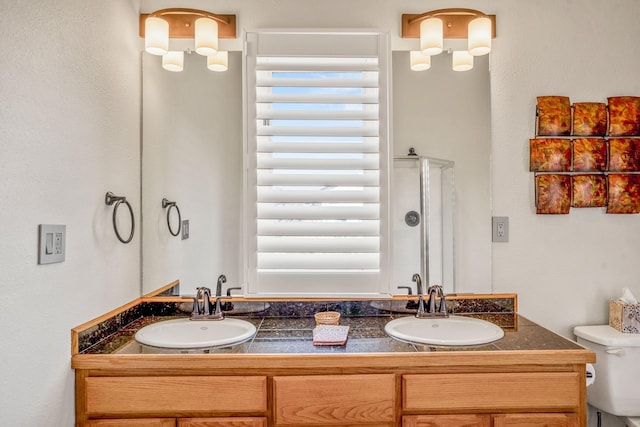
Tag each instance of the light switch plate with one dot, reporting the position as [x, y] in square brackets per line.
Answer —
[51, 243]
[185, 229]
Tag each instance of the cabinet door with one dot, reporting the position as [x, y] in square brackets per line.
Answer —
[536, 420]
[149, 422]
[462, 420]
[337, 400]
[223, 422]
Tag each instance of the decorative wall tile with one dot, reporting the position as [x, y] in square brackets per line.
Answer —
[589, 119]
[624, 194]
[553, 194]
[588, 191]
[589, 154]
[624, 115]
[624, 155]
[550, 155]
[554, 115]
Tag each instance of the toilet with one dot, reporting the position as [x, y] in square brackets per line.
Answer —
[617, 371]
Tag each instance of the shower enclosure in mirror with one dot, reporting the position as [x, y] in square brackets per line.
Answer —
[423, 226]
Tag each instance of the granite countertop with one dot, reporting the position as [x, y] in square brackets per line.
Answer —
[366, 335]
[286, 327]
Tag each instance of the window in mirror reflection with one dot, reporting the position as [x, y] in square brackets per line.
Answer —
[317, 165]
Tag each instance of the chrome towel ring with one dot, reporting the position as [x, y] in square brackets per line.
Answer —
[110, 199]
[166, 203]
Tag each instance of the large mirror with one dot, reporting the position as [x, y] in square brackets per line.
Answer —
[192, 155]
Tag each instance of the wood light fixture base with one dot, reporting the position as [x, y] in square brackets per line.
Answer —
[456, 22]
[182, 22]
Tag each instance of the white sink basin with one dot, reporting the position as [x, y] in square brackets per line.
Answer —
[185, 333]
[450, 331]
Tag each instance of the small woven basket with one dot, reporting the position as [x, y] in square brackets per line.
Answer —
[327, 318]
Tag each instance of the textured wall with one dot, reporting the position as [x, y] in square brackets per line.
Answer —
[69, 115]
[70, 127]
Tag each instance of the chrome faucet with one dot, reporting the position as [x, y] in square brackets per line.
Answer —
[433, 292]
[203, 311]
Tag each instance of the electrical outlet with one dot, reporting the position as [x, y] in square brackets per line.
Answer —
[185, 229]
[500, 229]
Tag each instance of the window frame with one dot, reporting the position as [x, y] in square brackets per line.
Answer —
[272, 39]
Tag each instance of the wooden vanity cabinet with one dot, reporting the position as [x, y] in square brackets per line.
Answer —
[446, 389]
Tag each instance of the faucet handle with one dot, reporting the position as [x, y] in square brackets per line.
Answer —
[408, 288]
[443, 306]
[196, 302]
[238, 288]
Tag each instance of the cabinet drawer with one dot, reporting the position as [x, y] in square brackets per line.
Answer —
[222, 422]
[462, 420]
[148, 422]
[495, 391]
[334, 400]
[536, 420]
[160, 396]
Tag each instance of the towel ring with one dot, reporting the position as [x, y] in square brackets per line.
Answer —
[166, 203]
[110, 199]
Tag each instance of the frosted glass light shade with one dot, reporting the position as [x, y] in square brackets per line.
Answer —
[219, 61]
[419, 61]
[479, 36]
[431, 36]
[156, 36]
[462, 60]
[206, 30]
[173, 61]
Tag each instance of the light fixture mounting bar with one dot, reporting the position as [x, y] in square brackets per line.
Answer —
[456, 22]
[182, 22]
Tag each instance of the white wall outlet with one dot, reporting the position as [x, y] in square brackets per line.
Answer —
[51, 243]
[185, 229]
[500, 229]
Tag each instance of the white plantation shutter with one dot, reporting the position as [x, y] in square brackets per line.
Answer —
[316, 164]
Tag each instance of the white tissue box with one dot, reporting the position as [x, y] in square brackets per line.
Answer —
[624, 317]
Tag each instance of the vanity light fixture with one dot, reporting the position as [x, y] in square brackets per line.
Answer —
[419, 61]
[204, 27]
[456, 23]
[461, 60]
[173, 60]
[219, 61]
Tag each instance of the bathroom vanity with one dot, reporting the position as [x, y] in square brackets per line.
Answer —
[530, 377]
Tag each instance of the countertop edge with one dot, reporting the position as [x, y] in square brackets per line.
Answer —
[345, 361]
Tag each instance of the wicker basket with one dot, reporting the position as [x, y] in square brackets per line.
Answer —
[327, 318]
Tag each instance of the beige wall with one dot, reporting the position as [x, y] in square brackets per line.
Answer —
[69, 120]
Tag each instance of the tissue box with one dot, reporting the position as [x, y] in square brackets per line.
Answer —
[624, 317]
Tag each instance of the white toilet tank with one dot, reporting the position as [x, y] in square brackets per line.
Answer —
[616, 389]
